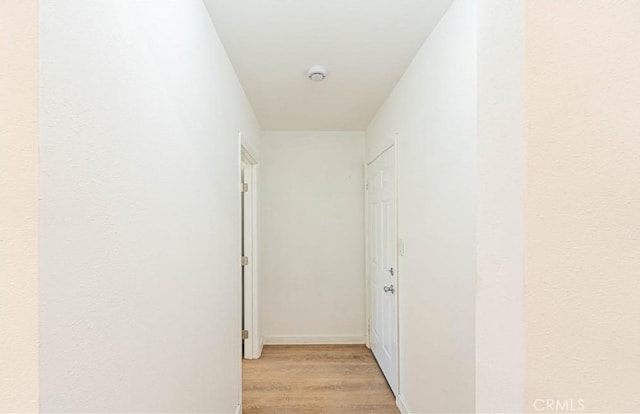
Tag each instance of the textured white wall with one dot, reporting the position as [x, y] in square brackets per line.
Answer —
[140, 213]
[433, 111]
[313, 237]
[18, 206]
[500, 228]
[582, 203]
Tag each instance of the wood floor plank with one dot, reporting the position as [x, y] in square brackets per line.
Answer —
[329, 379]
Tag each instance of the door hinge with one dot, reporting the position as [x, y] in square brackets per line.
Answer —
[366, 186]
[244, 260]
[244, 187]
[245, 334]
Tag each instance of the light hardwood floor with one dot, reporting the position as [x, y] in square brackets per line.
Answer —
[304, 379]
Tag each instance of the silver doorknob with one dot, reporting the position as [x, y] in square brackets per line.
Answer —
[389, 288]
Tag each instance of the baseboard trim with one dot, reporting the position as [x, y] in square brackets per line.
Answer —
[401, 404]
[313, 340]
[239, 409]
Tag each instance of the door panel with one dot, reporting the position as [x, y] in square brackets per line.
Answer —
[382, 259]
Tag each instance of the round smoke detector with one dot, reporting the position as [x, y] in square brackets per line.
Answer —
[317, 73]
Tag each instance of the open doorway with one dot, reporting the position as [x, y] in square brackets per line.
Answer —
[251, 343]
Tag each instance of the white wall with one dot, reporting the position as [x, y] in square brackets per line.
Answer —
[313, 237]
[18, 206]
[433, 111]
[140, 213]
[500, 228]
[582, 203]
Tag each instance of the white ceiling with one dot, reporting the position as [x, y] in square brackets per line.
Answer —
[366, 45]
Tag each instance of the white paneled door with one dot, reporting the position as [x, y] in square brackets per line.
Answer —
[382, 257]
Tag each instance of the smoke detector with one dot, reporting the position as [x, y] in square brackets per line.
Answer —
[317, 73]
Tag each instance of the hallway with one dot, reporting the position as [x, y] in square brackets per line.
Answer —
[315, 379]
[187, 183]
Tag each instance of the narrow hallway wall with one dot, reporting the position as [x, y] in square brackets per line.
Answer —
[313, 237]
[433, 112]
[500, 218]
[140, 209]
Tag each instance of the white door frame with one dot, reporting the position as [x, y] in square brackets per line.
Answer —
[253, 344]
[367, 251]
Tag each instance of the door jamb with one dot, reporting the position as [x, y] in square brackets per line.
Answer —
[253, 344]
[367, 331]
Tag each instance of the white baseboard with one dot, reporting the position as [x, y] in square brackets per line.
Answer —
[402, 405]
[313, 340]
[239, 409]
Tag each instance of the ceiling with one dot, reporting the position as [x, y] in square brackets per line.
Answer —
[366, 45]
